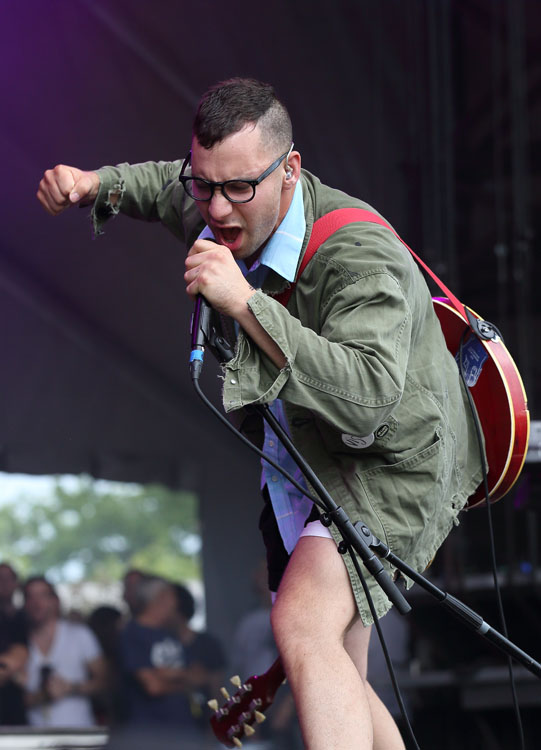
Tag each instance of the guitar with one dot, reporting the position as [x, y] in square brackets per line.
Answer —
[235, 719]
[499, 397]
[493, 378]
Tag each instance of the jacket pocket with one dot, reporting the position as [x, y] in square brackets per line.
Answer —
[407, 496]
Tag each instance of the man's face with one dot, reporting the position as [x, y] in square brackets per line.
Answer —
[131, 581]
[165, 605]
[242, 227]
[41, 604]
[8, 584]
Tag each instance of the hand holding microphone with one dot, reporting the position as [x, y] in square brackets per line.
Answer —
[211, 270]
[214, 279]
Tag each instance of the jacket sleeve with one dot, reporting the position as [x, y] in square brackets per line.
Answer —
[149, 191]
[349, 367]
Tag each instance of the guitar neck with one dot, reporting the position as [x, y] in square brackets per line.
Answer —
[234, 720]
[274, 676]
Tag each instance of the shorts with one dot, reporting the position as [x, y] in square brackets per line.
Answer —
[277, 556]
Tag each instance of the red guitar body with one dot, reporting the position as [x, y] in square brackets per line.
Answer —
[496, 385]
[499, 398]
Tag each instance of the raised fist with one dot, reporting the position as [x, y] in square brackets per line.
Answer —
[65, 186]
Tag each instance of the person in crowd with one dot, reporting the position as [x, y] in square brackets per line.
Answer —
[130, 582]
[204, 654]
[156, 677]
[65, 664]
[106, 622]
[13, 650]
[254, 648]
[9, 585]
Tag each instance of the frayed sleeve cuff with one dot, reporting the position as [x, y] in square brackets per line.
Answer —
[108, 200]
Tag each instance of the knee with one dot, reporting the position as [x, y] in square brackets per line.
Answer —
[289, 628]
[299, 626]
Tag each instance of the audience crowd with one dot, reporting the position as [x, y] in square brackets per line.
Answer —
[142, 668]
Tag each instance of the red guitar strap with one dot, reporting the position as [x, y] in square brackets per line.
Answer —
[328, 224]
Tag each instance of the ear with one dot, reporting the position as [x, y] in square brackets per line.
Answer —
[292, 171]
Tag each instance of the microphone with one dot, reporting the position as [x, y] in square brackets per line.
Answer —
[200, 333]
[44, 673]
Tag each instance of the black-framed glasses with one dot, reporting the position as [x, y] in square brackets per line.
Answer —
[236, 191]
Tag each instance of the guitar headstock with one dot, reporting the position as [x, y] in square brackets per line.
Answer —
[236, 717]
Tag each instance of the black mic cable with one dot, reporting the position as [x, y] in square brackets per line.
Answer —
[200, 333]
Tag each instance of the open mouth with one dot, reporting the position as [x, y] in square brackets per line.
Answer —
[230, 233]
[229, 236]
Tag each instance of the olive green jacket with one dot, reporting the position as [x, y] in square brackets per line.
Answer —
[372, 396]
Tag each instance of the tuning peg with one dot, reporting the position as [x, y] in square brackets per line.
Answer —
[213, 704]
[248, 730]
[259, 717]
[236, 681]
[224, 692]
[237, 742]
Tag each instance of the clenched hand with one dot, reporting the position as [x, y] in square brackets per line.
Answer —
[65, 186]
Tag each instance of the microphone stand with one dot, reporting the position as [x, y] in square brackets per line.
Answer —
[367, 545]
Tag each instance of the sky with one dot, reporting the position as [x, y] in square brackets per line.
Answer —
[13, 486]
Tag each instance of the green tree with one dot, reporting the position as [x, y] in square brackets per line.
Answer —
[95, 530]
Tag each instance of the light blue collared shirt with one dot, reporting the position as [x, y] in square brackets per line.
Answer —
[281, 254]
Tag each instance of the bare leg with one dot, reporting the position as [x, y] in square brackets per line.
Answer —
[313, 611]
[386, 734]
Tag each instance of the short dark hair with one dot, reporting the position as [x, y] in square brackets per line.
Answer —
[230, 105]
[185, 601]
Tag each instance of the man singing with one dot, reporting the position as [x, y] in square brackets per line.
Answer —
[355, 367]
